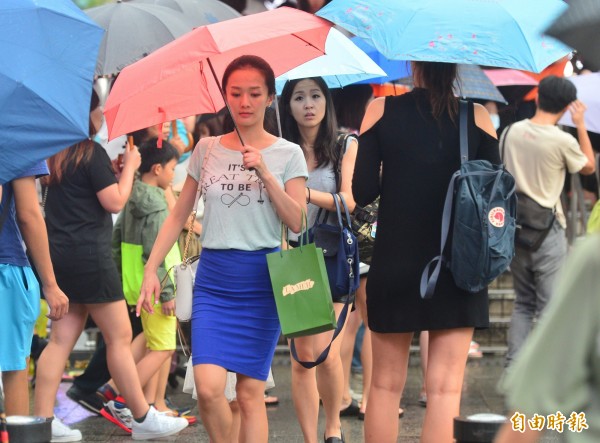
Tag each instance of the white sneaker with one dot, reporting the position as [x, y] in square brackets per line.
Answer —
[63, 433]
[157, 425]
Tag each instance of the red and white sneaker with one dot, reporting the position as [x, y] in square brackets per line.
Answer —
[118, 413]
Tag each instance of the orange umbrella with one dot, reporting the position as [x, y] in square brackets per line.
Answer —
[182, 78]
[386, 89]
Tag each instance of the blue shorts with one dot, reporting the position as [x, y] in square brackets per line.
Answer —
[20, 296]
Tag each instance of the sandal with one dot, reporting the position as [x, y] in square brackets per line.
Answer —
[271, 400]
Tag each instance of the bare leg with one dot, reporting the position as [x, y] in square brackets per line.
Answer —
[347, 350]
[329, 383]
[51, 364]
[161, 387]
[390, 367]
[304, 389]
[16, 391]
[330, 379]
[366, 355]
[254, 427]
[214, 410]
[113, 321]
[236, 421]
[448, 350]
[424, 354]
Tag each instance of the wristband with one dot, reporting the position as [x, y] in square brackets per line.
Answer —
[308, 199]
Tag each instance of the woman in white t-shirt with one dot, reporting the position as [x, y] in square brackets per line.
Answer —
[248, 189]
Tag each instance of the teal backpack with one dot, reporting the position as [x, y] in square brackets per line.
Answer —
[480, 208]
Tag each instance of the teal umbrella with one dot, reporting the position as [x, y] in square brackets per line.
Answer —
[503, 33]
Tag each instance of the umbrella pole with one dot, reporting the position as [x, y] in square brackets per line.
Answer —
[278, 117]
[225, 100]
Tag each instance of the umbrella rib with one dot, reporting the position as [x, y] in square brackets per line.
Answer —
[308, 43]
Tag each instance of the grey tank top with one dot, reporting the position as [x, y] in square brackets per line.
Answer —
[319, 179]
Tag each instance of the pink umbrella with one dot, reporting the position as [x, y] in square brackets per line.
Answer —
[513, 84]
[181, 78]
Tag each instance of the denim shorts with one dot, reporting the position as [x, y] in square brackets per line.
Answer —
[20, 295]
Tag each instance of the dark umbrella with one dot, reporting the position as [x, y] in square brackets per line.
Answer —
[579, 27]
[512, 84]
[471, 82]
[198, 12]
[134, 30]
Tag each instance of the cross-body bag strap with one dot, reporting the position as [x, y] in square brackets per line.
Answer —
[190, 227]
[343, 313]
[196, 199]
[503, 142]
[428, 283]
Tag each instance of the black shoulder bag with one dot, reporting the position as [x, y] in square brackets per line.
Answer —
[534, 221]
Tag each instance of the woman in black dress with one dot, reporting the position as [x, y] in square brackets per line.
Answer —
[409, 149]
[82, 194]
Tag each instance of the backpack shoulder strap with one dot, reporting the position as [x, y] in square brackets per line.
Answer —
[463, 111]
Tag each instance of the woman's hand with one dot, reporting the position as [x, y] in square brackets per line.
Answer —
[149, 293]
[132, 158]
[168, 308]
[253, 160]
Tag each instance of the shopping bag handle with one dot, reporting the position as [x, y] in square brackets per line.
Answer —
[285, 232]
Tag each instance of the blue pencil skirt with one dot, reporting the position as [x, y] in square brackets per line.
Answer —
[234, 317]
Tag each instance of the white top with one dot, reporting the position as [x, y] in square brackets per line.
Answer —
[539, 156]
[237, 210]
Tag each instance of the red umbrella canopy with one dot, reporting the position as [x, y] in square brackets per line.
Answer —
[176, 80]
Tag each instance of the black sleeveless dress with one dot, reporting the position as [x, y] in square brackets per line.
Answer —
[418, 156]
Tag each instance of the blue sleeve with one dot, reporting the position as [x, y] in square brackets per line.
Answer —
[38, 170]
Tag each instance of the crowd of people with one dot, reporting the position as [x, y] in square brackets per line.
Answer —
[251, 179]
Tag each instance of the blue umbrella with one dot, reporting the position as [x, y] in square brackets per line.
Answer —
[342, 64]
[49, 48]
[504, 33]
[395, 69]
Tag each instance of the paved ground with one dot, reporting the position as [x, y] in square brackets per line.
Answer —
[479, 396]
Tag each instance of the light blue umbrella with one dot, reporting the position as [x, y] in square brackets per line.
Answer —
[343, 64]
[503, 33]
[395, 69]
[49, 50]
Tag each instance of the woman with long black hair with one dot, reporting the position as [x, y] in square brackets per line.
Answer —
[409, 148]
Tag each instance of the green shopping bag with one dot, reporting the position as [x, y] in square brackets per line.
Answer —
[301, 288]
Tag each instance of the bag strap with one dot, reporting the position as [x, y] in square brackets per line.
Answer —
[341, 143]
[428, 283]
[503, 141]
[343, 313]
[463, 131]
[321, 358]
[188, 237]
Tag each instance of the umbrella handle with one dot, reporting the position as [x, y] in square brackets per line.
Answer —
[225, 100]
[226, 104]
[130, 142]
